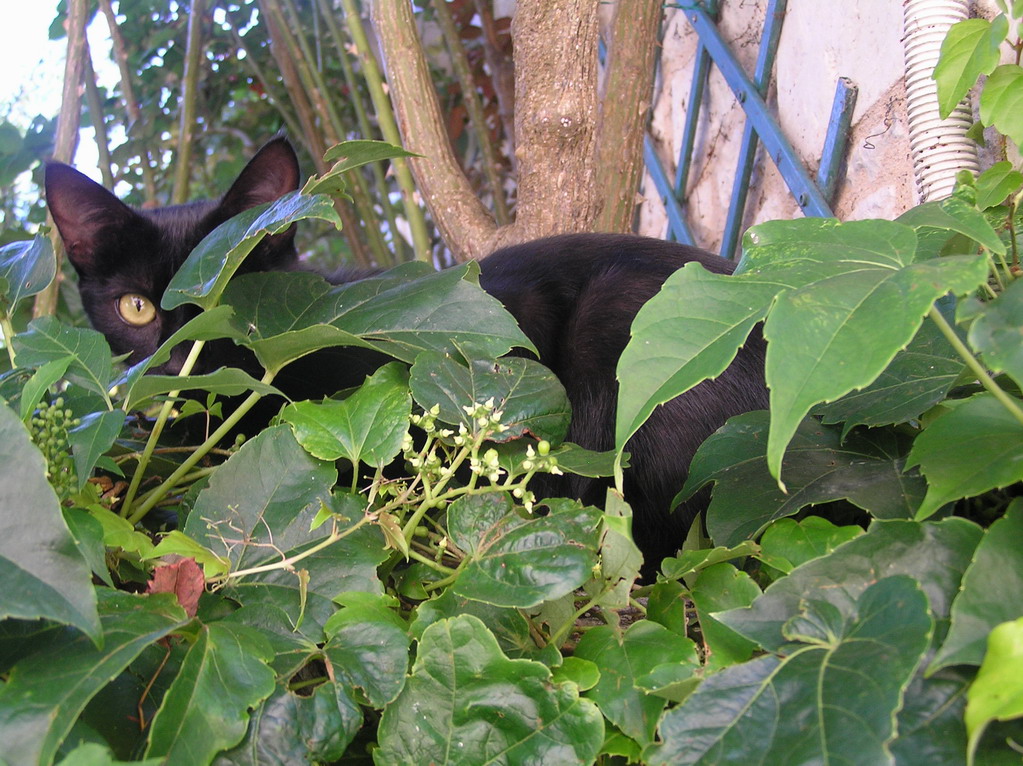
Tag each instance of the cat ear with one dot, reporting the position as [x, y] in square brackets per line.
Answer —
[271, 174]
[83, 212]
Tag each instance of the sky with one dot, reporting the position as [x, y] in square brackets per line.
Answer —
[32, 66]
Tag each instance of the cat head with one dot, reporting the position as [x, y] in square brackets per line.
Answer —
[125, 256]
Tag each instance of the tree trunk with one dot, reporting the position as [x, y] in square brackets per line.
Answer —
[571, 155]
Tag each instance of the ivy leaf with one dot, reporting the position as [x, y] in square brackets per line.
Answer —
[995, 333]
[1002, 99]
[688, 332]
[44, 574]
[969, 50]
[919, 377]
[840, 333]
[820, 684]
[293, 728]
[787, 543]
[368, 647]
[367, 427]
[997, 693]
[867, 469]
[347, 156]
[936, 554]
[46, 339]
[224, 673]
[267, 492]
[206, 272]
[991, 593]
[622, 660]
[46, 691]
[531, 398]
[996, 183]
[719, 588]
[26, 268]
[527, 717]
[91, 439]
[523, 562]
[970, 449]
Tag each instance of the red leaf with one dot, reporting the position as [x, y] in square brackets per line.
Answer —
[182, 578]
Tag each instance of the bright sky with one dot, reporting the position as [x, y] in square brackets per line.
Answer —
[32, 66]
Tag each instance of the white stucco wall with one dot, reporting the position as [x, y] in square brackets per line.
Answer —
[821, 41]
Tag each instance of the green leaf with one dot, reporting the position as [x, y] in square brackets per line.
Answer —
[227, 381]
[261, 501]
[441, 717]
[508, 625]
[204, 275]
[969, 50]
[368, 648]
[1002, 99]
[39, 383]
[919, 377]
[47, 339]
[529, 395]
[718, 588]
[92, 438]
[867, 469]
[997, 693]
[996, 183]
[26, 268]
[46, 691]
[690, 562]
[95, 754]
[968, 450]
[523, 562]
[995, 333]
[222, 676]
[621, 661]
[349, 155]
[44, 575]
[936, 554]
[840, 334]
[788, 543]
[400, 313]
[367, 427]
[688, 332]
[930, 724]
[991, 593]
[816, 705]
[290, 728]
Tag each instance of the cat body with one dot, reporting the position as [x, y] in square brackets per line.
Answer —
[573, 295]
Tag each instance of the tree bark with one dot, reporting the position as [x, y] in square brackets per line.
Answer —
[578, 163]
[625, 108]
[555, 115]
[466, 226]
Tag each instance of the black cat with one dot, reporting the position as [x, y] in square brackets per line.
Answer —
[574, 296]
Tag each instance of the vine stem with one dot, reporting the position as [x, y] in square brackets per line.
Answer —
[290, 561]
[158, 426]
[172, 481]
[975, 366]
[8, 332]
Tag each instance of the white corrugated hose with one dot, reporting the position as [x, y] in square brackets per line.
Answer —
[940, 148]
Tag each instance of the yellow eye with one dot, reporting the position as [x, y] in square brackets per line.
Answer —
[136, 309]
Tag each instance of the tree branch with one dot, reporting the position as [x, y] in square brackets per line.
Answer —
[625, 106]
[465, 225]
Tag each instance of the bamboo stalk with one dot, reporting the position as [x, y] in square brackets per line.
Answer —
[307, 118]
[334, 129]
[95, 102]
[400, 248]
[130, 103]
[66, 138]
[187, 104]
[388, 125]
[474, 107]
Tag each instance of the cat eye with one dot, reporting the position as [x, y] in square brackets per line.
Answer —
[136, 309]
